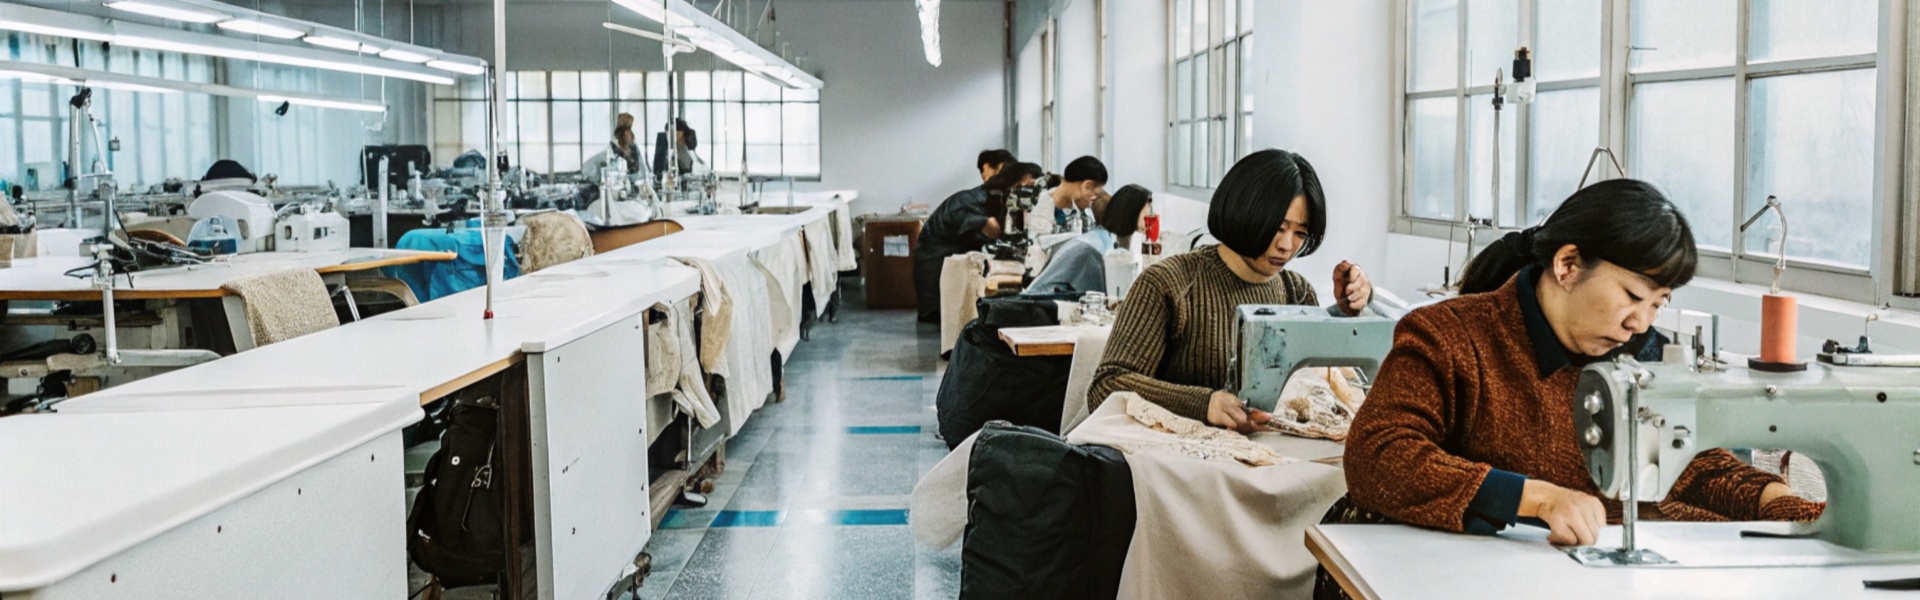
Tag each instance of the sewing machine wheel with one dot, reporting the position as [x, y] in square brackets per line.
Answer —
[1598, 401]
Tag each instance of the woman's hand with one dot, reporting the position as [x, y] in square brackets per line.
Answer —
[1224, 410]
[1351, 288]
[1574, 518]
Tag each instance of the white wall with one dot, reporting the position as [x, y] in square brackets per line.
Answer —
[1079, 101]
[1138, 32]
[1026, 102]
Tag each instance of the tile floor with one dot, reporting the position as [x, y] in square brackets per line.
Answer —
[813, 503]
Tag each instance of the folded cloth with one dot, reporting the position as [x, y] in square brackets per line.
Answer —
[938, 512]
[961, 284]
[716, 313]
[690, 387]
[1214, 527]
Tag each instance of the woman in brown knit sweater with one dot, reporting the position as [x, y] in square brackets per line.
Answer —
[1173, 338]
[1469, 426]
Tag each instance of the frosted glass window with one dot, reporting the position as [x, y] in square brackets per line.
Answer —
[566, 122]
[698, 85]
[596, 85]
[533, 85]
[567, 157]
[726, 86]
[806, 95]
[1566, 44]
[1230, 17]
[1811, 144]
[633, 85]
[533, 121]
[1480, 160]
[1432, 140]
[1183, 154]
[1790, 29]
[1183, 26]
[1493, 32]
[1682, 138]
[758, 89]
[566, 85]
[1566, 129]
[657, 86]
[1201, 29]
[1686, 34]
[1183, 90]
[1435, 45]
[597, 120]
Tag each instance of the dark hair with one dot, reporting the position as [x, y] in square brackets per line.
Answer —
[1121, 215]
[693, 139]
[1085, 168]
[994, 158]
[1626, 222]
[617, 130]
[1010, 176]
[1250, 206]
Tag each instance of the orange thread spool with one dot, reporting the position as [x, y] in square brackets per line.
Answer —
[1779, 325]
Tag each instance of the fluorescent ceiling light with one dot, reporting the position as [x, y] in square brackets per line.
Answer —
[683, 44]
[716, 37]
[261, 29]
[339, 43]
[276, 58]
[457, 67]
[70, 26]
[30, 77]
[339, 104]
[405, 56]
[930, 29]
[168, 10]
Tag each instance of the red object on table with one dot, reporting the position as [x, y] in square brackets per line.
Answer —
[1153, 228]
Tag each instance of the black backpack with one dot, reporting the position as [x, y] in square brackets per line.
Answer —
[456, 529]
[1045, 519]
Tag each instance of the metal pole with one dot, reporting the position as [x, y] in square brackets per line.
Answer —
[74, 131]
[493, 237]
[1629, 509]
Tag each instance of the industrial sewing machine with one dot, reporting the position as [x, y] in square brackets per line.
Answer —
[1861, 426]
[294, 228]
[1011, 207]
[1274, 341]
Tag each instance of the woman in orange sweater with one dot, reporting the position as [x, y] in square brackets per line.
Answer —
[1469, 426]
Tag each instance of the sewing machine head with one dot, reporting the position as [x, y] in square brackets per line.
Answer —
[1860, 425]
[1274, 341]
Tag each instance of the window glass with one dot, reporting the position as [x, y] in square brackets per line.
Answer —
[1432, 140]
[1566, 129]
[1436, 39]
[1811, 144]
[596, 85]
[1493, 32]
[566, 85]
[1683, 34]
[1183, 26]
[1566, 39]
[1682, 138]
[532, 85]
[1790, 29]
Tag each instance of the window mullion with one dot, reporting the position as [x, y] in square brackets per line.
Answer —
[1741, 131]
[1460, 130]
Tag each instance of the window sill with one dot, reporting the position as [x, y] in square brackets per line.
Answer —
[1821, 317]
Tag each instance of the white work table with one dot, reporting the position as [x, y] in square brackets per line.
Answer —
[44, 278]
[259, 494]
[1399, 561]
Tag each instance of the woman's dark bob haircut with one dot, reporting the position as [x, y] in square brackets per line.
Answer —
[1122, 215]
[1626, 222]
[1250, 206]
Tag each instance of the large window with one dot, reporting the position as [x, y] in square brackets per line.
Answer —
[1455, 50]
[1792, 116]
[1721, 103]
[556, 120]
[162, 135]
[1212, 124]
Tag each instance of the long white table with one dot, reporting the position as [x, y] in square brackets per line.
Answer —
[281, 494]
[1399, 561]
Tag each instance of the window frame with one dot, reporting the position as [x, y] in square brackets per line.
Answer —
[1225, 116]
[1873, 284]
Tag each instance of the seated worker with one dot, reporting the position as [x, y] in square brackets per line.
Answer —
[1173, 337]
[1084, 180]
[1467, 427]
[958, 226]
[1080, 264]
[991, 161]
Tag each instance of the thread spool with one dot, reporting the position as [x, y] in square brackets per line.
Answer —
[1779, 327]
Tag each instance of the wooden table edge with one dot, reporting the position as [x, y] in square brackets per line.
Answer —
[1336, 564]
[386, 261]
[435, 393]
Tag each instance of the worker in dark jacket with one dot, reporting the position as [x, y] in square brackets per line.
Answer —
[961, 224]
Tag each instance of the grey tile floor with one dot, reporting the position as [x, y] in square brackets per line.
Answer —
[813, 501]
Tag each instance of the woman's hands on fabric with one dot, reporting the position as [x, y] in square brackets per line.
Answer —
[1575, 518]
[1351, 289]
[992, 228]
[1224, 410]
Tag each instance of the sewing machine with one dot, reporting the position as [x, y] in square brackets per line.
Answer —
[1273, 341]
[252, 212]
[1861, 426]
[307, 229]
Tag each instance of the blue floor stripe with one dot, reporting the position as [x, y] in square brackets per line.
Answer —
[883, 429]
[776, 518]
[686, 519]
[871, 517]
[892, 378]
[748, 518]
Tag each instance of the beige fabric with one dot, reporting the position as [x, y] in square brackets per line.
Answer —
[25, 245]
[673, 365]
[382, 285]
[823, 269]
[285, 305]
[746, 361]
[553, 238]
[962, 282]
[785, 265]
[1318, 403]
[1087, 350]
[716, 313]
[1193, 439]
[938, 509]
[844, 259]
[1211, 528]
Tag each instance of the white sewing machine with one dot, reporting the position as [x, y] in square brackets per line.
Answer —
[306, 229]
[1274, 341]
[262, 229]
[1861, 426]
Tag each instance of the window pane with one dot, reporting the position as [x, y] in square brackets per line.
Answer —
[1246, 59]
[1812, 145]
[698, 85]
[761, 90]
[597, 119]
[1480, 159]
[473, 128]
[657, 85]
[1682, 140]
[533, 121]
[1230, 18]
[1182, 154]
[1686, 33]
[806, 95]
[1566, 128]
[596, 85]
[566, 122]
[1246, 16]
[1435, 46]
[1493, 31]
[1183, 90]
[1789, 29]
[1566, 44]
[1183, 26]
[1202, 88]
[566, 85]
[533, 85]
[726, 85]
[1432, 143]
[1202, 35]
[632, 85]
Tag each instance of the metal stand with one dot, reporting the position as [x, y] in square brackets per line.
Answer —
[1628, 554]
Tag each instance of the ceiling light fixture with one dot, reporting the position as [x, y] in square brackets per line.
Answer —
[642, 33]
[261, 29]
[722, 41]
[168, 10]
[340, 43]
[405, 56]
[457, 67]
[277, 58]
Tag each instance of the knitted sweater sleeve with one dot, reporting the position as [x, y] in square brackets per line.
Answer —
[1138, 345]
[1394, 460]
